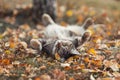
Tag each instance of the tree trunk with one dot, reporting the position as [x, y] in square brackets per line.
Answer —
[43, 6]
[29, 13]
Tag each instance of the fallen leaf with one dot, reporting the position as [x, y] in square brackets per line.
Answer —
[57, 56]
[71, 78]
[92, 51]
[69, 13]
[45, 77]
[43, 67]
[8, 52]
[5, 61]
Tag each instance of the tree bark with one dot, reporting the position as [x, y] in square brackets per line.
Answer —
[43, 6]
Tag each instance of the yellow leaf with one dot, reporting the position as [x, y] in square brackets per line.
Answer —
[92, 51]
[69, 13]
[7, 51]
[1, 36]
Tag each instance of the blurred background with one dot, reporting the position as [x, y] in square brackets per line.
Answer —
[20, 21]
[18, 12]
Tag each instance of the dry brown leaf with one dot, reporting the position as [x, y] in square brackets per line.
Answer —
[57, 56]
[5, 61]
[45, 77]
[43, 67]
[71, 78]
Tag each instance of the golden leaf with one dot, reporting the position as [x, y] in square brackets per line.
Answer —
[92, 51]
[69, 13]
[7, 51]
[1, 36]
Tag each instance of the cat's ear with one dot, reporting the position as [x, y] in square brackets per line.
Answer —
[85, 37]
[87, 23]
